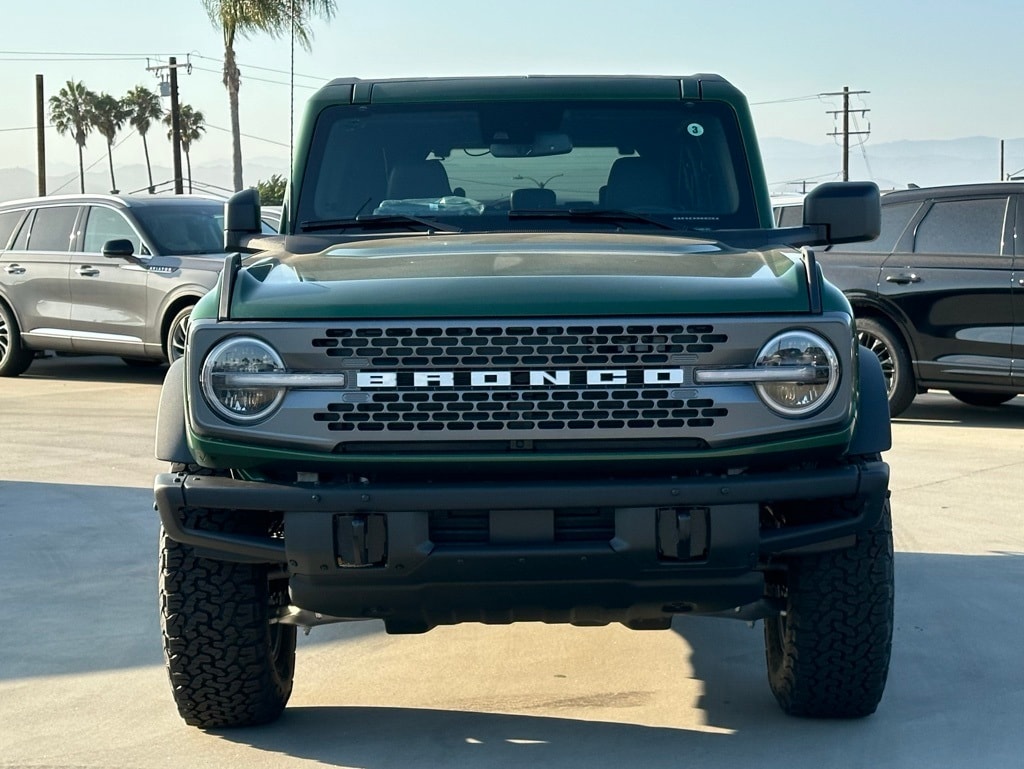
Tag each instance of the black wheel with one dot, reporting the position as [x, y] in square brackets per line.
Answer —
[973, 398]
[14, 359]
[886, 344]
[828, 655]
[228, 663]
[177, 331]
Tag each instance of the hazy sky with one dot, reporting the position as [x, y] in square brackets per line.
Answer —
[936, 70]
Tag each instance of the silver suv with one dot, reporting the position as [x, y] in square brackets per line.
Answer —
[104, 274]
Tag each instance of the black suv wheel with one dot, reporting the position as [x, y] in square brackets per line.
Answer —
[886, 344]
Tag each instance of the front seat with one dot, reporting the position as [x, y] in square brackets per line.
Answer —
[424, 179]
[636, 182]
[532, 198]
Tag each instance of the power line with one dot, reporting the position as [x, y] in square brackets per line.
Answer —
[814, 97]
[248, 136]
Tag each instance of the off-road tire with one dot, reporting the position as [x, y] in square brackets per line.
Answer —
[228, 664]
[828, 655]
[986, 400]
[887, 345]
[14, 359]
[177, 330]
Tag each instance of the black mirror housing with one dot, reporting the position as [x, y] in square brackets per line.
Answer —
[850, 212]
[241, 219]
[119, 248]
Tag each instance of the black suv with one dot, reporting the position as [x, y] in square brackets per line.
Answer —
[939, 295]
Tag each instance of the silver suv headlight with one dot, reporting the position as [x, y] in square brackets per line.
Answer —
[240, 379]
[801, 372]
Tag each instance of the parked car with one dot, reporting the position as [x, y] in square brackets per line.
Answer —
[107, 274]
[788, 210]
[939, 295]
[270, 216]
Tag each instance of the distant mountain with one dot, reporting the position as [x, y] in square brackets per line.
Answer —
[213, 179]
[789, 165]
[893, 165]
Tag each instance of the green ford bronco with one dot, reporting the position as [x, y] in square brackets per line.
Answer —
[526, 349]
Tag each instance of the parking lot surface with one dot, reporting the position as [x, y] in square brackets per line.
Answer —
[82, 682]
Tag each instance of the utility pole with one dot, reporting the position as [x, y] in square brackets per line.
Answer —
[846, 132]
[172, 65]
[175, 127]
[40, 136]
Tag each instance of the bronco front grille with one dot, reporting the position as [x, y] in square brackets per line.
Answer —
[518, 407]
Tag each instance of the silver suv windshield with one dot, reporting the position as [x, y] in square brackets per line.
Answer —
[492, 165]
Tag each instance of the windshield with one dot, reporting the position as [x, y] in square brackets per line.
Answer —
[677, 163]
[181, 230]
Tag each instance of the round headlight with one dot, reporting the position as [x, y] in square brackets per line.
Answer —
[815, 373]
[232, 383]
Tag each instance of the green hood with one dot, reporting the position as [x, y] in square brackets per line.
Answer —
[521, 275]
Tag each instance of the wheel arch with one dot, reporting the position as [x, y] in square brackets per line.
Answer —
[171, 438]
[171, 308]
[877, 311]
[873, 431]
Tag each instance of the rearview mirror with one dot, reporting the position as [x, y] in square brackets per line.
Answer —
[543, 144]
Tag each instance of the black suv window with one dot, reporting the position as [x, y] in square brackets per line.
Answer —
[52, 229]
[962, 227]
[895, 218]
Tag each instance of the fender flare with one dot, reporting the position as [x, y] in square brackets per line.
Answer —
[171, 440]
[873, 431]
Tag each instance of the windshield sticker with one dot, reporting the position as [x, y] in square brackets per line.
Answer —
[695, 129]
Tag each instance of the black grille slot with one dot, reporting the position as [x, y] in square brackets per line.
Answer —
[472, 527]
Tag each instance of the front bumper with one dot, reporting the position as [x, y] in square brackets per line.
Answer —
[660, 546]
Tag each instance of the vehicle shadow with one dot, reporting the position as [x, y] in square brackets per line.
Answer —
[95, 368]
[940, 409]
[954, 697]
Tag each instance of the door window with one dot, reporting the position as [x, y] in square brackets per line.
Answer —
[53, 229]
[895, 218]
[963, 227]
[8, 221]
[107, 224]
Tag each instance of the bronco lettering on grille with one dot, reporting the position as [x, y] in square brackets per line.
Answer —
[517, 378]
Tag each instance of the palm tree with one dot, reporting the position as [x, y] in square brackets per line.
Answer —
[191, 126]
[71, 113]
[109, 114]
[242, 17]
[144, 107]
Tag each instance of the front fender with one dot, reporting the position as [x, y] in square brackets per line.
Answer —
[171, 441]
[873, 432]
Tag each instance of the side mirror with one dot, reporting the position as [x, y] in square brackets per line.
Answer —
[120, 248]
[849, 212]
[241, 219]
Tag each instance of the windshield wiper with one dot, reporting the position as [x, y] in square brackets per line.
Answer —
[378, 222]
[592, 214]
